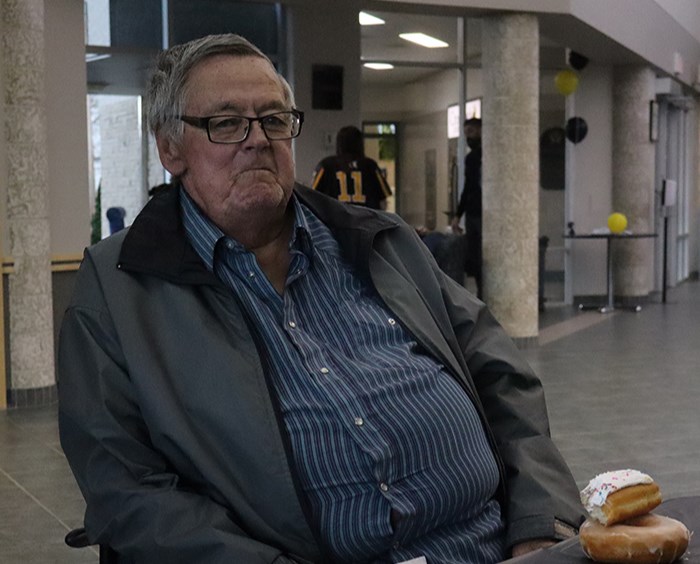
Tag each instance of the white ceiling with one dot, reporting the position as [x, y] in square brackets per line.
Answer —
[557, 33]
[127, 72]
[412, 62]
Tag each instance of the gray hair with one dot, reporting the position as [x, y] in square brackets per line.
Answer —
[168, 89]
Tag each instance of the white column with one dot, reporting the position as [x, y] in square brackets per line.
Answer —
[510, 176]
[633, 178]
[30, 298]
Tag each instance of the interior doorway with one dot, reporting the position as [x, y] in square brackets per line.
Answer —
[382, 144]
[672, 186]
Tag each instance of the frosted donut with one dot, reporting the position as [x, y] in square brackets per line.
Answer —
[647, 539]
[615, 496]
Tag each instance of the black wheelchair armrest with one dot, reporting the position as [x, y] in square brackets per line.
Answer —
[77, 538]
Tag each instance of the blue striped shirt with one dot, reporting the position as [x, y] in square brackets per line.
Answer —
[389, 449]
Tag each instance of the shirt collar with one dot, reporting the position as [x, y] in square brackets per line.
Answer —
[204, 235]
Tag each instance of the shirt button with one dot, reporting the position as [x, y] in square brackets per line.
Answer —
[392, 321]
[229, 245]
[292, 324]
[359, 421]
[384, 487]
[251, 274]
[397, 545]
[324, 370]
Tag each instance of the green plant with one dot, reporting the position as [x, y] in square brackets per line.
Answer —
[96, 222]
[387, 148]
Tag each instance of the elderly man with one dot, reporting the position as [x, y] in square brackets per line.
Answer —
[256, 373]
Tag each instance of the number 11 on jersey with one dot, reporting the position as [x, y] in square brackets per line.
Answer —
[357, 197]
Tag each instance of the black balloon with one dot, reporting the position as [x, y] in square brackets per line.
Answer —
[577, 61]
[576, 129]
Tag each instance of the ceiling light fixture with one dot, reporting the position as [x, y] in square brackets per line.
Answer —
[423, 40]
[92, 57]
[369, 19]
[379, 66]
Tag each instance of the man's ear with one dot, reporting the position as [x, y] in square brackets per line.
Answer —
[170, 155]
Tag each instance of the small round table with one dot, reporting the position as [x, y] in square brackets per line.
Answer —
[610, 305]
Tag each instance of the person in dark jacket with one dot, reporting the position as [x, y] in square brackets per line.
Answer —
[470, 205]
[350, 176]
[253, 372]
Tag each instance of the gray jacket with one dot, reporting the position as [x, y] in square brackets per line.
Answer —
[173, 430]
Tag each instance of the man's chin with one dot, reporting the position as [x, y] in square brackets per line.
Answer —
[263, 196]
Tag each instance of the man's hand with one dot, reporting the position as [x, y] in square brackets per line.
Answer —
[529, 546]
[455, 226]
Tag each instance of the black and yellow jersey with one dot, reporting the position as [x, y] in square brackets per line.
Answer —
[355, 181]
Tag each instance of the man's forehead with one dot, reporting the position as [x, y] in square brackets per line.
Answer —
[232, 65]
[248, 77]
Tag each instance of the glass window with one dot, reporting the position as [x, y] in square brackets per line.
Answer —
[255, 21]
[136, 23]
[379, 128]
[124, 23]
[97, 23]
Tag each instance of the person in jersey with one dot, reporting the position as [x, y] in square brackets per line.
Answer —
[255, 373]
[349, 176]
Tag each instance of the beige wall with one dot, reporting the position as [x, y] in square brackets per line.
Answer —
[66, 111]
[323, 32]
[421, 109]
[419, 136]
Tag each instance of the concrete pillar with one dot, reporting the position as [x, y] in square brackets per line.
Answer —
[510, 175]
[633, 178]
[32, 375]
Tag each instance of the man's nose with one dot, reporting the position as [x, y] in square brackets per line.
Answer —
[256, 134]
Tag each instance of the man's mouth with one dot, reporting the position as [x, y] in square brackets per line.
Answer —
[255, 169]
[257, 174]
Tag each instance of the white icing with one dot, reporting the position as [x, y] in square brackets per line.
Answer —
[596, 513]
[593, 496]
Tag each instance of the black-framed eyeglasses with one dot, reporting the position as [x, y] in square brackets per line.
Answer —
[235, 129]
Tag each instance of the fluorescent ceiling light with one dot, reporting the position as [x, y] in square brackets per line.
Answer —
[423, 40]
[92, 57]
[369, 19]
[379, 66]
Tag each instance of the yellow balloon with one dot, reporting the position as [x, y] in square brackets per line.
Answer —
[566, 82]
[617, 222]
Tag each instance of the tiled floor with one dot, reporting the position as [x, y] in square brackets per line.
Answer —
[39, 500]
[623, 391]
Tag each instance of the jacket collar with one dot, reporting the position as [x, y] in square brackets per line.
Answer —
[157, 244]
[354, 227]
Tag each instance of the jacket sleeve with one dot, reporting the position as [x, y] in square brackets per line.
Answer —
[136, 502]
[542, 497]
